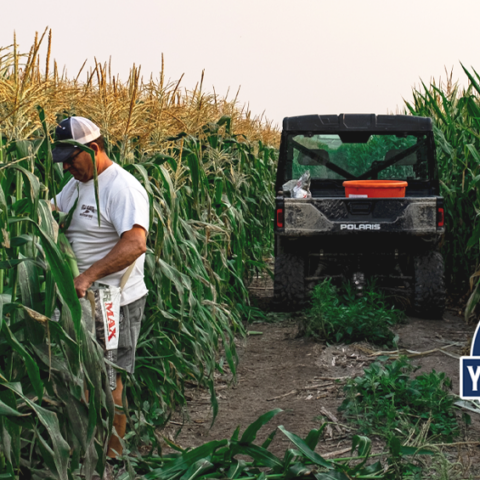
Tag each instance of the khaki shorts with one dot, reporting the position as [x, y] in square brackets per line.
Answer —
[130, 321]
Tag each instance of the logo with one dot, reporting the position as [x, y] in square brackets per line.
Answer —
[112, 330]
[470, 371]
[360, 226]
[87, 211]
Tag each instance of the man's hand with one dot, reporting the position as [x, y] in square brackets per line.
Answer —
[82, 283]
[131, 245]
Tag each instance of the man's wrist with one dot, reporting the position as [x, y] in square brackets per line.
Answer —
[87, 277]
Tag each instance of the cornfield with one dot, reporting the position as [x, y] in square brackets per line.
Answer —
[208, 168]
[456, 114]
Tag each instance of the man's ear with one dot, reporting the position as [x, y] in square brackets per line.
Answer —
[94, 146]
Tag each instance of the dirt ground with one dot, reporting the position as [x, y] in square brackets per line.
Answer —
[278, 369]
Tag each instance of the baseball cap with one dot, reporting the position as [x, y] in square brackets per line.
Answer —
[80, 129]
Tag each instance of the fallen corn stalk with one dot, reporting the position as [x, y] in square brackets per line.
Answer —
[404, 352]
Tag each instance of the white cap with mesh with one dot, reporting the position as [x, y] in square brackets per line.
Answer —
[80, 129]
[83, 130]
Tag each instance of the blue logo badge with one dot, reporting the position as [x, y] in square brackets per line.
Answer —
[470, 371]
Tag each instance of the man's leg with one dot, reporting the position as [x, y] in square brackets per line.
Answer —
[127, 343]
[119, 422]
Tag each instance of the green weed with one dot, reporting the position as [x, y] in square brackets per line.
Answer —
[387, 401]
[339, 316]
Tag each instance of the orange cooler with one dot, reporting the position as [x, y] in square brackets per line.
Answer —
[374, 188]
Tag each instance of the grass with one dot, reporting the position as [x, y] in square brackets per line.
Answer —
[387, 401]
[339, 316]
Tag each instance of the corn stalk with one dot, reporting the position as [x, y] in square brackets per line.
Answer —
[456, 113]
[210, 188]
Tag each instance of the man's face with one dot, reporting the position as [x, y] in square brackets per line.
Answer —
[80, 165]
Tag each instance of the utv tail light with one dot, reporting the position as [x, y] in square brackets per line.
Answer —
[279, 217]
[440, 217]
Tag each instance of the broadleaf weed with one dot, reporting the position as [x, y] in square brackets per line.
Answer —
[387, 401]
[339, 316]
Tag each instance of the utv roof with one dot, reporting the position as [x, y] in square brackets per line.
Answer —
[353, 122]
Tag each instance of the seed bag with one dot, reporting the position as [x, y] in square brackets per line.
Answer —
[107, 302]
[107, 325]
[108, 317]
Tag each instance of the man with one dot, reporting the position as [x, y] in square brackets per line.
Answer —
[105, 252]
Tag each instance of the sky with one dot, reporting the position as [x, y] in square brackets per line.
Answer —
[287, 57]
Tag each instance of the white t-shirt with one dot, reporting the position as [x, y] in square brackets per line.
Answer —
[123, 204]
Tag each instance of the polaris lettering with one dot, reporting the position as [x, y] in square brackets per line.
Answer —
[360, 226]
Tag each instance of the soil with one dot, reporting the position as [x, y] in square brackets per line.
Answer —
[279, 369]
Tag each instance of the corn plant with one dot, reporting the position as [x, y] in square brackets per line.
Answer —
[240, 457]
[210, 191]
[46, 367]
[456, 114]
[211, 229]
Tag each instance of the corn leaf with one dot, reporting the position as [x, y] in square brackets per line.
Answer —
[303, 447]
[251, 432]
[32, 368]
[61, 274]
[50, 421]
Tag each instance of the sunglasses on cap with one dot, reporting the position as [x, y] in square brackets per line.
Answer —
[70, 160]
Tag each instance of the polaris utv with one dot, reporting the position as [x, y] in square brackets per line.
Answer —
[355, 238]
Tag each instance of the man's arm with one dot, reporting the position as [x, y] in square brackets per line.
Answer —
[131, 245]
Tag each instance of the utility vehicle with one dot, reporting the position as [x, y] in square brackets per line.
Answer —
[395, 240]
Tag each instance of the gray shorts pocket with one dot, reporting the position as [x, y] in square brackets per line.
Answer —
[130, 323]
[125, 338]
[135, 324]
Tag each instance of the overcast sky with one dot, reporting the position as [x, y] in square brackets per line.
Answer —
[288, 57]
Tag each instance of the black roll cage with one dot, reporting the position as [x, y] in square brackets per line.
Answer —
[395, 124]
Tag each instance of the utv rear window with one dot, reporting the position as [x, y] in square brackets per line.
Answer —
[358, 155]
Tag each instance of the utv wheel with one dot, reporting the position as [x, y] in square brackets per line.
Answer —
[429, 286]
[289, 282]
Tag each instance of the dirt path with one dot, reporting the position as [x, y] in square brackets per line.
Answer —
[279, 370]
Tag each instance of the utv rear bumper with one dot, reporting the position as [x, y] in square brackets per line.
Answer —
[343, 216]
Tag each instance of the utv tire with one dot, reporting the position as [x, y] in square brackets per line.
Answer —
[429, 285]
[289, 282]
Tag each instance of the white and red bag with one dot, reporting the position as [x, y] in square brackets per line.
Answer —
[109, 301]
[108, 317]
